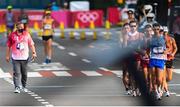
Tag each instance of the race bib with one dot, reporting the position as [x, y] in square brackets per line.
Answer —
[24, 21]
[20, 46]
[47, 26]
[158, 50]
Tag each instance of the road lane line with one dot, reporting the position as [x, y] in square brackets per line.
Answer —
[86, 60]
[34, 74]
[117, 72]
[91, 73]
[45, 102]
[178, 95]
[106, 73]
[104, 69]
[173, 84]
[41, 100]
[72, 54]
[38, 97]
[62, 73]
[176, 71]
[5, 75]
[34, 95]
[61, 47]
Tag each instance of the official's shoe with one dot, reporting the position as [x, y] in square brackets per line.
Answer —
[24, 89]
[17, 90]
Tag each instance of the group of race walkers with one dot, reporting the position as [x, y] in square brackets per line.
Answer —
[153, 51]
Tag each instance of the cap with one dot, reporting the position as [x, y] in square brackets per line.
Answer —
[165, 28]
[147, 7]
[130, 12]
[150, 15]
[9, 7]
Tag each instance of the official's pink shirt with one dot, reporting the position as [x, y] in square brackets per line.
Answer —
[19, 45]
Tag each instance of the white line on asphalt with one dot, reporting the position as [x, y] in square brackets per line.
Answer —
[34, 74]
[86, 60]
[37, 97]
[117, 72]
[31, 93]
[104, 69]
[91, 73]
[5, 75]
[72, 54]
[176, 71]
[62, 73]
[178, 95]
[34, 95]
[173, 84]
[61, 47]
[49, 105]
[173, 93]
[45, 102]
[41, 100]
[55, 44]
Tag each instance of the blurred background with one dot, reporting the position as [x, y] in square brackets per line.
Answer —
[110, 10]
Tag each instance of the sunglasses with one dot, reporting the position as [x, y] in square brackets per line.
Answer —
[157, 29]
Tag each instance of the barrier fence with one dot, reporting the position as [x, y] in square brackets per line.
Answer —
[69, 18]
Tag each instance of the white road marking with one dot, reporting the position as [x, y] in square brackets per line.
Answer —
[45, 102]
[91, 73]
[37, 97]
[40, 100]
[34, 74]
[47, 67]
[61, 47]
[173, 84]
[72, 54]
[173, 93]
[34, 95]
[86, 60]
[178, 95]
[62, 73]
[91, 46]
[117, 72]
[5, 75]
[104, 69]
[31, 93]
[55, 44]
[176, 71]
[49, 105]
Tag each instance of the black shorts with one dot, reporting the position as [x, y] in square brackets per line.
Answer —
[46, 38]
[169, 64]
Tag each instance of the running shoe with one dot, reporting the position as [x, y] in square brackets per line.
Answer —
[167, 94]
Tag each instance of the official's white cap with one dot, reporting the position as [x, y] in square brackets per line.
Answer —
[165, 28]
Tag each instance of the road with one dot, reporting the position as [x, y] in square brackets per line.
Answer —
[82, 73]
